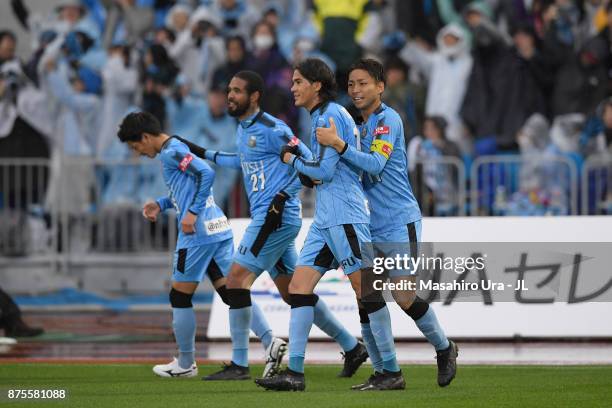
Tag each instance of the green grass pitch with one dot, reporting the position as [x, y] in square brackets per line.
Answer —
[119, 386]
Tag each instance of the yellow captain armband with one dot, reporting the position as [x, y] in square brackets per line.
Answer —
[383, 147]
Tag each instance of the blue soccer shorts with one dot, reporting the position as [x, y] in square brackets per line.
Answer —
[214, 259]
[272, 251]
[401, 240]
[327, 248]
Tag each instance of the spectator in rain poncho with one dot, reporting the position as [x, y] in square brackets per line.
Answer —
[120, 79]
[127, 21]
[237, 16]
[76, 37]
[77, 97]
[447, 71]
[544, 178]
[200, 49]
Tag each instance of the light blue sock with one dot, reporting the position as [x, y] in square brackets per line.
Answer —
[328, 323]
[240, 321]
[260, 326]
[431, 329]
[299, 328]
[184, 326]
[380, 323]
[370, 345]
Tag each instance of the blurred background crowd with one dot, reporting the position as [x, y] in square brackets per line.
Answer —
[469, 78]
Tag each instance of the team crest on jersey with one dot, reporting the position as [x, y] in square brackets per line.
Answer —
[185, 162]
[252, 141]
[381, 130]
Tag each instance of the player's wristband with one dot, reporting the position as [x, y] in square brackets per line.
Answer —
[344, 149]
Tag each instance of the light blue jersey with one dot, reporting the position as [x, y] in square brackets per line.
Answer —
[383, 158]
[259, 140]
[339, 198]
[189, 180]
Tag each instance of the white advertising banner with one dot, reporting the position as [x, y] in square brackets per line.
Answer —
[459, 318]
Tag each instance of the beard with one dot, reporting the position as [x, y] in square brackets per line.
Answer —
[239, 110]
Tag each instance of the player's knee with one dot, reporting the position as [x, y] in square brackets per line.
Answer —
[222, 292]
[295, 287]
[417, 309]
[180, 300]
[238, 298]
[405, 299]
[298, 300]
[237, 276]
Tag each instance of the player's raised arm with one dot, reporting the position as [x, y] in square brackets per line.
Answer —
[221, 158]
[372, 162]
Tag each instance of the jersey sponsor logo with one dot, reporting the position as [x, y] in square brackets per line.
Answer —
[383, 147]
[217, 225]
[185, 162]
[252, 141]
[249, 167]
[381, 130]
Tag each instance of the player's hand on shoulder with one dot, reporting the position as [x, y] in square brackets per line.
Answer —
[150, 210]
[188, 223]
[328, 136]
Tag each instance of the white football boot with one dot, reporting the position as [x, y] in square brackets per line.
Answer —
[173, 369]
[274, 357]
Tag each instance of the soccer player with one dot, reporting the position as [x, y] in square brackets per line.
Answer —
[205, 243]
[269, 242]
[340, 226]
[396, 217]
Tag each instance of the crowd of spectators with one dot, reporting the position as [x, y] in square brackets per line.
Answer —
[468, 77]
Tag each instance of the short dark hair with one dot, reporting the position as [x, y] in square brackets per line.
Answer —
[439, 122]
[237, 38]
[255, 82]
[396, 62]
[9, 34]
[374, 68]
[315, 70]
[135, 124]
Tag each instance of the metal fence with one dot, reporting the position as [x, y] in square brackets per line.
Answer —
[597, 185]
[74, 214]
[439, 185]
[518, 185]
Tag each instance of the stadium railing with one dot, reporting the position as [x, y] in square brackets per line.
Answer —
[28, 233]
[76, 217]
[518, 185]
[439, 185]
[597, 185]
